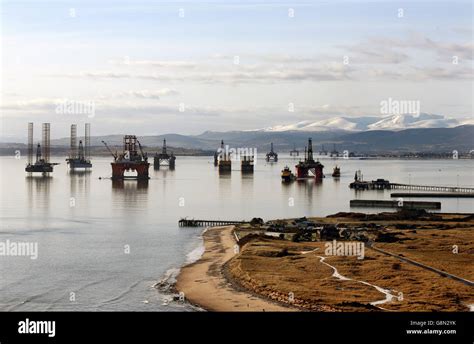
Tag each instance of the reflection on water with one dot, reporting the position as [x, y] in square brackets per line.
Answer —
[77, 172]
[38, 189]
[130, 185]
[79, 182]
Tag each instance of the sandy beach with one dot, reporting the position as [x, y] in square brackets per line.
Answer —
[205, 285]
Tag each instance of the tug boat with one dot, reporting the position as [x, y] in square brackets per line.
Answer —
[287, 175]
[336, 172]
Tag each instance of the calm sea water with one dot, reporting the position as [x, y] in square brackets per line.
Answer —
[84, 226]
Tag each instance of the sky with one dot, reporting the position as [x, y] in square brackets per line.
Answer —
[155, 67]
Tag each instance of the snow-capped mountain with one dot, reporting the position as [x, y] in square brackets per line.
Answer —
[391, 122]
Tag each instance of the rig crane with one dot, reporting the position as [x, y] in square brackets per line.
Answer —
[144, 155]
[108, 148]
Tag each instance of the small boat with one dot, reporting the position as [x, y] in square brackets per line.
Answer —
[287, 175]
[336, 172]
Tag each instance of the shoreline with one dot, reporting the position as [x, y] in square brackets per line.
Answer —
[266, 270]
[204, 284]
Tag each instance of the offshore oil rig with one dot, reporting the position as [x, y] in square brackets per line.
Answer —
[334, 153]
[164, 159]
[42, 164]
[247, 164]
[129, 160]
[272, 156]
[294, 152]
[79, 157]
[309, 165]
[223, 159]
[323, 151]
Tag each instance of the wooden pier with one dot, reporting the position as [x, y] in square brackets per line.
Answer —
[208, 223]
[394, 204]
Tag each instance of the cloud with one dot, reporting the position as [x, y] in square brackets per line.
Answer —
[238, 74]
[95, 75]
[145, 94]
[36, 104]
[417, 41]
[366, 53]
[47, 106]
[154, 63]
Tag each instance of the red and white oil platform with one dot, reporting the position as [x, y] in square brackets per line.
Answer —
[129, 160]
[42, 163]
[306, 169]
[309, 168]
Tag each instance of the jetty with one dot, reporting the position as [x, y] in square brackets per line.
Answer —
[394, 204]
[384, 184]
[432, 194]
[208, 223]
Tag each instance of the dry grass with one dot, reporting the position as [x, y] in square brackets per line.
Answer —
[275, 268]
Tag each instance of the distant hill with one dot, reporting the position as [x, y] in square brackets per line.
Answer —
[420, 140]
[434, 140]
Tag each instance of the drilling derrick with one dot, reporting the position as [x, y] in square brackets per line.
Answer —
[130, 160]
[30, 143]
[224, 162]
[46, 142]
[42, 164]
[309, 165]
[87, 142]
[73, 148]
[80, 151]
[79, 157]
[164, 159]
